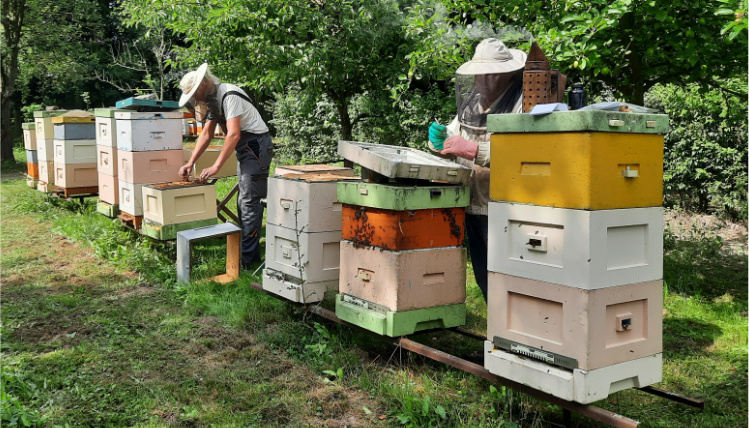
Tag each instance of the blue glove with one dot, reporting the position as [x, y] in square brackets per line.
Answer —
[437, 135]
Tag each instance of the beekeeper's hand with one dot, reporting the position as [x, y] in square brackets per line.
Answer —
[459, 146]
[185, 170]
[437, 135]
[209, 172]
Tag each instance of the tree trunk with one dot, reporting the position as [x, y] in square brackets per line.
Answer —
[12, 22]
[342, 107]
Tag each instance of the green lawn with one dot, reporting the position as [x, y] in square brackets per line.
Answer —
[95, 332]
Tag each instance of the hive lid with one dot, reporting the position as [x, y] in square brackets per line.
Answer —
[28, 125]
[49, 113]
[147, 115]
[106, 111]
[578, 121]
[315, 177]
[75, 116]
[137, 103]
[403, 162]
[291, 170]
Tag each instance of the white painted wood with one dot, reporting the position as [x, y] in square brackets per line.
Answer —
[148, 134]
[307, 256]
[131, 198]
[75, 151]
[583, 249]
[29, 139]
[308, 292]
[106, 131]
[303, 205]
[45, 149]
[581, 386]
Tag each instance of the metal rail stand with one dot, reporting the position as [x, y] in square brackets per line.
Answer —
[185, 239]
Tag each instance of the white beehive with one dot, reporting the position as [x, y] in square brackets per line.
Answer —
[75, 151]
[146, 131]
[577, 248]
[301, 292]
[131, 198]
[305, 202]
[29, 136]
[581, 386]
[307, 256]
[45, 150]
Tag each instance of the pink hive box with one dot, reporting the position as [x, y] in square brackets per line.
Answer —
[161, 166]
[108, 189]
[598, 328]
[76, 175]
[106, 158]
[403, 280]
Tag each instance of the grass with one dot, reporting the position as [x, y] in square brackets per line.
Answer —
[96, 332]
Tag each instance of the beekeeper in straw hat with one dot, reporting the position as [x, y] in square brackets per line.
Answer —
[229, 107]
[490, 83]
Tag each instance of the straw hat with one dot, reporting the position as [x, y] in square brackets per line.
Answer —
[191, 82]
[491, 57]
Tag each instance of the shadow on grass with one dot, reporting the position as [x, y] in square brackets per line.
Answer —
[688, 334]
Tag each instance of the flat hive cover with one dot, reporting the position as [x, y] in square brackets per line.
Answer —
[403, 162]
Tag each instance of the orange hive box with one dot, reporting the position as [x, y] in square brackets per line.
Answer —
[404, 230]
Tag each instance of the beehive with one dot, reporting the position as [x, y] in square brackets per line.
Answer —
[403, 280]
[32, 157]
[74, 128]
[46, 172]
[295, 290]
[581, 386]
[106, 127]
[179, 202]
[131, 198]
[106, 158]
[161, 166]
[146, 131]
[208, 158]
[400, 197]
[306, 202]
[45, 150]
[43, 123]
[577, 248]
[591, 160]
[404, 230]
[307, 256]
[74, 175]
[75, 151]
[109, 189]
[595, 328]
[29, 135]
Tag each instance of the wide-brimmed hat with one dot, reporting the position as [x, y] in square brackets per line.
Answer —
[191, 82]
[491, 57]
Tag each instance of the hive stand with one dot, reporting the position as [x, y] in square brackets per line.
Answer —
[185, 239]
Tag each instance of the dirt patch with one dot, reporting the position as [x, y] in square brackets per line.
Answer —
[139, 290]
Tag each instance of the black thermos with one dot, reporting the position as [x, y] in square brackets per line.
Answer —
[576, 97]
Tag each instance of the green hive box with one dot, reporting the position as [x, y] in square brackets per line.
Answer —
[578, 121]
[377, 319]
[108, 210]
[403, 197]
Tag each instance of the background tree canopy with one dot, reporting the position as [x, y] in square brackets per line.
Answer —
[383, 70]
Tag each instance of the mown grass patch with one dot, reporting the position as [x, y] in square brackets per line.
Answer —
[97, 332]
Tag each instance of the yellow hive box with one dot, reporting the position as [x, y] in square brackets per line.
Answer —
[578, 170]
[177, 202]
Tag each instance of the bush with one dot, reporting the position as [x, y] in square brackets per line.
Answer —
[705, 156]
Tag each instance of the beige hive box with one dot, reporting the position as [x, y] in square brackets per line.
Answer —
[179, 202]
[577, 248]
[306, 256]
[306, 202]
[106, 160]
[43, 123]
[161, 166]
[29, 135]
[74, 175]
[45, 150]
[46, 172]
[108, 189]
[403, 280]
[208, 158]
[598, 328]
[75, 151]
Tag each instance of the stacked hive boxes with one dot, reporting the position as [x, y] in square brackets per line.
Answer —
[75, 152]
[402, 261]
[106, 161]
[169, 208]
[149, 150]
[45, 151]
[575, 251]
[303, 231]
[32, 161]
